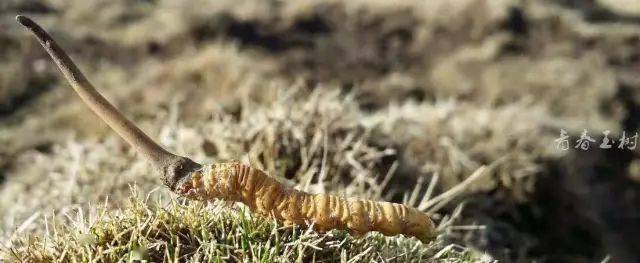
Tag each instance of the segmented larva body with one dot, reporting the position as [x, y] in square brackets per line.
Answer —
[267, 197]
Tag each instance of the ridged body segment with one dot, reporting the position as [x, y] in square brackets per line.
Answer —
[267, 197]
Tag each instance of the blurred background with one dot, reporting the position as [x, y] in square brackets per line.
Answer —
[336, 95]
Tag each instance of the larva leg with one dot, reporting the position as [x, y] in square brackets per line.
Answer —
[358, 221]
[391, 223]
[292, 208]
[289, 223]
[322, 217]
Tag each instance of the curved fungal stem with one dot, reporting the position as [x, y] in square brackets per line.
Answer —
[173, 167]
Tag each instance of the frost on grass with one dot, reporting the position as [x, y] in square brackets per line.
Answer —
[196, 232]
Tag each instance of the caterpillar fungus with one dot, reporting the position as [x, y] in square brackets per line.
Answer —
[233, 181]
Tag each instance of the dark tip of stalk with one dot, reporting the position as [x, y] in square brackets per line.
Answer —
[25, 21]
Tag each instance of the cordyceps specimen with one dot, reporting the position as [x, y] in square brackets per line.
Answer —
[233, 181]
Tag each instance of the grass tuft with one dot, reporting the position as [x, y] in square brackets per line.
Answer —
[179, 231]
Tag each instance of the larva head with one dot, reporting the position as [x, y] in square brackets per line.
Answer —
[211, 181]
[172, 167]
[176, 170]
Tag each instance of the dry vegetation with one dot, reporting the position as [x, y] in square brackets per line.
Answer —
[357, 98]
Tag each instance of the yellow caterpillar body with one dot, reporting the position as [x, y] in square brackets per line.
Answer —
[267, 197]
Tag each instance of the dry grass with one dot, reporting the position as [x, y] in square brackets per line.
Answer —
[153, 230]
[360, 98]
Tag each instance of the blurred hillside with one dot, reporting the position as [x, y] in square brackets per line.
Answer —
[334, 95]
